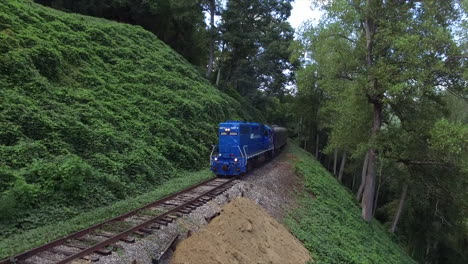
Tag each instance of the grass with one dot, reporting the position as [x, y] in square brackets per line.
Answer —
[32, 238]
[328, 221]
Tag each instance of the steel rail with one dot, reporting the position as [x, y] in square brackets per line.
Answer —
[129, 231]
[57, 242]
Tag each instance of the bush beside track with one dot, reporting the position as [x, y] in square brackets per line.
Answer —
[92, 112]
[328, 221]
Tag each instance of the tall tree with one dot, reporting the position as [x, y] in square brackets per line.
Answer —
[375, 96]
[256, 36]
[212, 10]
[375, 78]
[309, 99]
[392, 68]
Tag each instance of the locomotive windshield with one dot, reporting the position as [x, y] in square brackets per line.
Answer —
[229, 131]
[224, 133]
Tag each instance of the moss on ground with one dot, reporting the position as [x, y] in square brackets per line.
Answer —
[328, 221]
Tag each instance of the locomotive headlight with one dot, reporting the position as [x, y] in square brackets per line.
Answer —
[235, 159]
[215, 158]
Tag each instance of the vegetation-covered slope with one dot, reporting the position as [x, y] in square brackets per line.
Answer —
[92, 111]
[328, 221]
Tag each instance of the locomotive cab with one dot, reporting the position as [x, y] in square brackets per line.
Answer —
[240, 143]
[227, 157]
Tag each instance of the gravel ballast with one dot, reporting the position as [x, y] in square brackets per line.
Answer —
[272, 185]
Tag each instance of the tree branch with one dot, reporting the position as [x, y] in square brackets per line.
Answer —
[342, 36]
[343, 76]
[422, 162]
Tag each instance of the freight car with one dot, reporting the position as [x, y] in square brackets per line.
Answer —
[242, 143]
[280, 137]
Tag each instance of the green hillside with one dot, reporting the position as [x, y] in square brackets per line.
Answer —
[93, 111]
[328, 221]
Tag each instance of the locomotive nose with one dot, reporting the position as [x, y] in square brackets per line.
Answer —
[225, 167]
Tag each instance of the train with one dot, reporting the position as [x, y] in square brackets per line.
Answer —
[241, 144]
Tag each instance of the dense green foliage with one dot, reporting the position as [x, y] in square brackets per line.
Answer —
[93, 111]
[178, 23]
[246, 45]
[255, 39]
[54, 229]
[395, 112]
[328, 221]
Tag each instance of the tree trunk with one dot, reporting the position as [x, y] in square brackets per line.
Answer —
[381, 182]
[431, 246]
[354, 181]
[317, 146]
[369, 188]
[218, 77]
[376, 198]
[363, 178]
[300, 134]
[335, 157]
[400, 208]
[212, 40]
[343, 161]
[428, 249]
[375, 98]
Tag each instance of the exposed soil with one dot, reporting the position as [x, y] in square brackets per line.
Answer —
[242, 234]
[272, 185]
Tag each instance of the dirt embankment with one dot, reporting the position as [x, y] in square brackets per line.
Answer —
[243, 234]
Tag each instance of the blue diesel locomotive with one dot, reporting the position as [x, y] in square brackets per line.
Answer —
[242, 143]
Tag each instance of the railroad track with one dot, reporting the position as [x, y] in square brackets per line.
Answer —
[93, 242]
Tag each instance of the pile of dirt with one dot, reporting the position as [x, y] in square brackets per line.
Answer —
[243, 234]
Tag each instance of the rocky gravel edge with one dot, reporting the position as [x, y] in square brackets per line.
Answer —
[272, 186]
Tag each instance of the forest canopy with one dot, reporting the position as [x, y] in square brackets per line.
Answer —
[382, 94]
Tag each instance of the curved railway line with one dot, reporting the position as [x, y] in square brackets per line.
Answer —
[94, 241]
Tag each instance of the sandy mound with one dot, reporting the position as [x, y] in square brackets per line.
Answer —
[243, 234]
